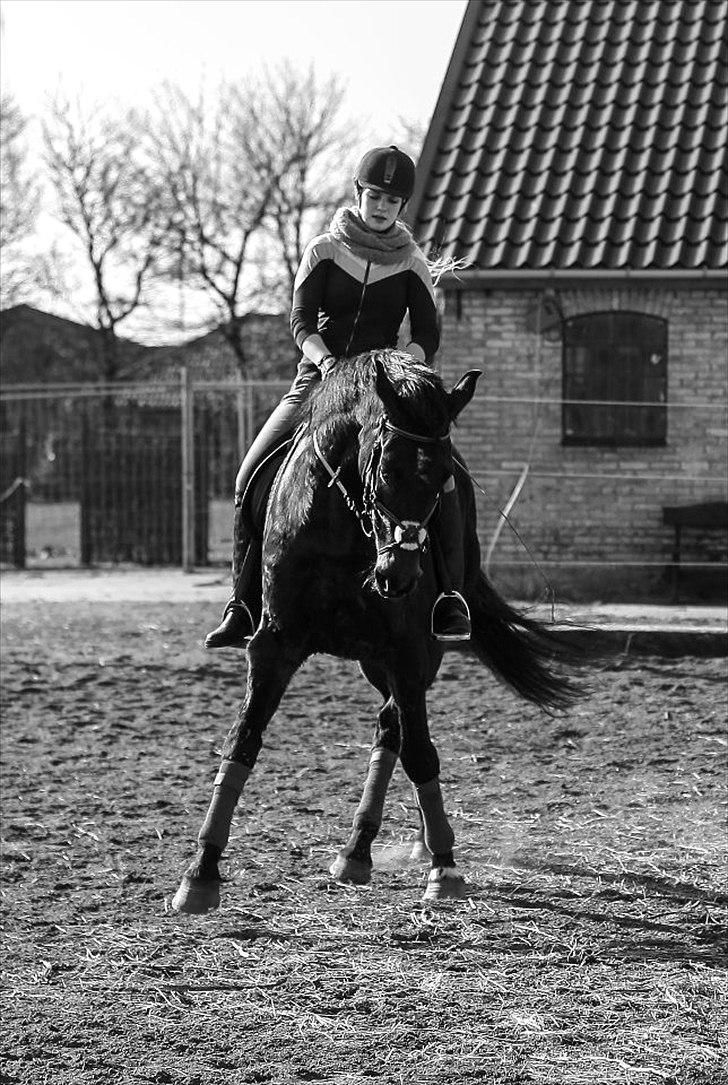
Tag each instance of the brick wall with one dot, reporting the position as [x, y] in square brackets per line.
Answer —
[586, 519]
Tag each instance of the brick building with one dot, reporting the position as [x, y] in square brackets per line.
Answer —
[575, 166]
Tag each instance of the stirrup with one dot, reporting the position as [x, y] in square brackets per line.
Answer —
[235, 629]
[457, 634]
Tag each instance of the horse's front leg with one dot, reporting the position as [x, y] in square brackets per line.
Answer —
[353, 864]
[271, 665]
[422, 764]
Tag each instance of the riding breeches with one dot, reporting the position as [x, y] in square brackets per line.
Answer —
[448, 532]
[284, 418]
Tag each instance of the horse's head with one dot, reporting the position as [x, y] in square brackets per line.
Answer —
[404, 469]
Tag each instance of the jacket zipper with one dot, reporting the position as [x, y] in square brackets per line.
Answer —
[358, 312]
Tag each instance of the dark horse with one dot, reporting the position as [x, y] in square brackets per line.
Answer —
[348, 570]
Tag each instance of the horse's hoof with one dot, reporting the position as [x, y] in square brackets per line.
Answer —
[195, 897]
[444, 883]
[350, 871]
[420, 851]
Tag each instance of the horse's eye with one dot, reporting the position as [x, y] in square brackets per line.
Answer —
[435, 478]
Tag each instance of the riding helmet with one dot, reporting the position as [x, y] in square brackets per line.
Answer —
[388, 169]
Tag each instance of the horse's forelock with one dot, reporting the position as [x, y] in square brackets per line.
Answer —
[351, 387]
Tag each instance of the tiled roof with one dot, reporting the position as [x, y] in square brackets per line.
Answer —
[580, 134]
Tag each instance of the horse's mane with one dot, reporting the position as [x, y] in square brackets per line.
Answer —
[349, 393]
[347, 401]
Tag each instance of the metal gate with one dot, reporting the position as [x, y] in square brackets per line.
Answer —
[131, 507]
[140, 473]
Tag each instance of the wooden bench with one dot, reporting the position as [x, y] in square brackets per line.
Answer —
[710, 515]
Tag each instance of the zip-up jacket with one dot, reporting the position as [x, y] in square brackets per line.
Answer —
[357, 305]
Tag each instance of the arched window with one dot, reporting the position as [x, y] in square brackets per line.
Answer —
[612, 359]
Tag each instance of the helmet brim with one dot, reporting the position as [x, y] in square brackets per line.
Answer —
[378, 188]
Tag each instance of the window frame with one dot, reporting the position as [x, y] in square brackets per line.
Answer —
[617, 439]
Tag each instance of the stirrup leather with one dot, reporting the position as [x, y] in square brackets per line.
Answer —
[232, 604]
[448, 595]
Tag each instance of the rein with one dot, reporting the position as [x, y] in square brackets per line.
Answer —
[408, 534]
[348, 499]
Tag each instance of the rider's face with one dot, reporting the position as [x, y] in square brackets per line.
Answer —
[378, 209]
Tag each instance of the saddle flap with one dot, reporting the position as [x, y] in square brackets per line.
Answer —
[257, 492]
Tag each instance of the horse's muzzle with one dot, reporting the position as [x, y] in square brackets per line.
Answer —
[392, 584]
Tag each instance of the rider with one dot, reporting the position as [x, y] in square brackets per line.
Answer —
[353, 288]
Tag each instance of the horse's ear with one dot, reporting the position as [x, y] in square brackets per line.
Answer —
[463, 392]
[385, 388]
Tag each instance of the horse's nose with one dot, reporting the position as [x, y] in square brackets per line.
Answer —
[394, 582]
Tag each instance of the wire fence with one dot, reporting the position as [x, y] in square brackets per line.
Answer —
[144, 473]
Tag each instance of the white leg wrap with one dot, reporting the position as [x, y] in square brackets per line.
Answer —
[226, 792]
[439, 837]
[232, 774]
[381, 767]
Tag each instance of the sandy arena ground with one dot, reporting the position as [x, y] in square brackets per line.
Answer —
[591, 950]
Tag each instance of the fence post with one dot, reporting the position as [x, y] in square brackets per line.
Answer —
[250, 416]
[19, 540]
[86, 530]
[187, 409]
[240, 399]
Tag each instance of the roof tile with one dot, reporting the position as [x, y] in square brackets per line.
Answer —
[581, 134]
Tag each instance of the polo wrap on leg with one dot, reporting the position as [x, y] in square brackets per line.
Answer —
[371, 805]
[439, 837]
[228, 785]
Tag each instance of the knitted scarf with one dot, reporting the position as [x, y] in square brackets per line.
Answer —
[390, 247]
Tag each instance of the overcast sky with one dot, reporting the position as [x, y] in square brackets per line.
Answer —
[393, 53]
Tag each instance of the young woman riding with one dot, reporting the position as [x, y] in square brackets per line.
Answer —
[355, 284]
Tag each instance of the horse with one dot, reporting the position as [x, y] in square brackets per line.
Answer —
[348, 570]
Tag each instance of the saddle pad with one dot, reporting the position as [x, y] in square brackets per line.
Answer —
[255, 498]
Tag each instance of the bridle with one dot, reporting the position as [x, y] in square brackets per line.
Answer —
[407, 534]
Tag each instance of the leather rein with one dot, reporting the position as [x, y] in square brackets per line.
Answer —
[408, 534]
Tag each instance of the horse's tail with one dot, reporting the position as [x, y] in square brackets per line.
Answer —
[533, 659]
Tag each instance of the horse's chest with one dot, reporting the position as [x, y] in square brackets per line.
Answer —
[326, 601]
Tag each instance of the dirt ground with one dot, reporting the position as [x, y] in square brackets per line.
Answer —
[591, 950]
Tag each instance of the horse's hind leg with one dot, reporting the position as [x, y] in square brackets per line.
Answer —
[270, 669]
[353, 864]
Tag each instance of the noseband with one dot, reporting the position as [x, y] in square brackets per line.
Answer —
[408, 534]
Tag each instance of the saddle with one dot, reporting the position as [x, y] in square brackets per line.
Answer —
[255, 497]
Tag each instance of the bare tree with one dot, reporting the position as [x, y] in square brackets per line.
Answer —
[108, 199]
[19, 203]
[239, 172]
[217, 180]
[307, 116]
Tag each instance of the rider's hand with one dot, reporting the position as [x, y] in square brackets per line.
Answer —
[416, 353]
[326, 365]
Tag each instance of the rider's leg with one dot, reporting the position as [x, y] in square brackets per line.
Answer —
[450, 614]
[241, 611]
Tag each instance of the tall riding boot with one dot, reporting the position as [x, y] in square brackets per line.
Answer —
[238, 624]
[450, 614]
